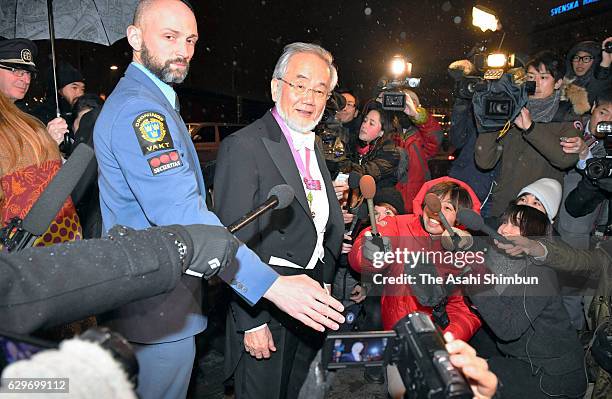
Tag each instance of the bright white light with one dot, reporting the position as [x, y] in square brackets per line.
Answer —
[114, 67]
[496, 60]
[484, 18]
[398, 65]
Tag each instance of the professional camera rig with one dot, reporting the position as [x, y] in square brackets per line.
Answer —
[417, 348]
[599, 168]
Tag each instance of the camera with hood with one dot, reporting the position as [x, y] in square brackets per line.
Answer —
[415, 345]
[497, 98]
[600, 168]
[499, 95]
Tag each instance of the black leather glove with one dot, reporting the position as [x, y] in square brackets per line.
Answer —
[206, 249]
[374, 244]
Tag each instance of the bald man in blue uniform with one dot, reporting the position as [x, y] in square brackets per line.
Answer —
[150, 175]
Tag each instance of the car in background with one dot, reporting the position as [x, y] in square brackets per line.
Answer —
[206, 137]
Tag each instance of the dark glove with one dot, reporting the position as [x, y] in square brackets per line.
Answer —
[374, 244]
[208, 249]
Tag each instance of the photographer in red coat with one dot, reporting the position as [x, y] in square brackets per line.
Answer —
[421, 231]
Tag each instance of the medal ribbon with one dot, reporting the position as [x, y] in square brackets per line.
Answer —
[304, 170]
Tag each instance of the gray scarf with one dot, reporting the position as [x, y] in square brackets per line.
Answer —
[544, 109]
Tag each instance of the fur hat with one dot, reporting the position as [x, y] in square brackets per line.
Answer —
[548, 192]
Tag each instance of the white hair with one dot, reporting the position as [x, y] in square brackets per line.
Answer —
[298, 47]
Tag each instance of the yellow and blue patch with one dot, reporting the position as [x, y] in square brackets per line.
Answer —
[152, 132]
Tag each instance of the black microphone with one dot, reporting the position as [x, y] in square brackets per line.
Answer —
[19, 234]
[474, 221]
[361, 212]
[279, 197]
[353, 183]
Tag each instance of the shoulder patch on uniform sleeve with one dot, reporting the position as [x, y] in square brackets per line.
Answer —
[165, 161]
[152, 132]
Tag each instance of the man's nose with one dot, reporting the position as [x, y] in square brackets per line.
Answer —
[309, 96]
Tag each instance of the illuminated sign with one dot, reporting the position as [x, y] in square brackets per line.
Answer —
[569, 6]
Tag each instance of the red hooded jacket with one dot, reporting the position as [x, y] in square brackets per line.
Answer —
[421, 145]
[406, 231]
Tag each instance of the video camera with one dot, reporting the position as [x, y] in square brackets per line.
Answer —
[329, 129]
[600, 168]
[497, 97]
[393, 99]
[417, 348]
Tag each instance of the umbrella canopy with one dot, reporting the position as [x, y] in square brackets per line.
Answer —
[96, 21]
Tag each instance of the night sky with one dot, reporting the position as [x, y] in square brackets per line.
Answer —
[240, 40]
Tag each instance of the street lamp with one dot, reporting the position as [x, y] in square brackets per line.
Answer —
[114, 67]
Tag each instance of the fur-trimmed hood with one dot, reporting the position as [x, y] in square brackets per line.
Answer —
[578, 96]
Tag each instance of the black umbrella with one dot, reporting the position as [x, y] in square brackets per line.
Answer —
[96, 21]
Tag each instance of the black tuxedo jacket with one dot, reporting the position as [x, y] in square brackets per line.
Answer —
[249, 163]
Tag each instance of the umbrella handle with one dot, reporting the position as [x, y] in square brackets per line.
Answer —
[52, 40]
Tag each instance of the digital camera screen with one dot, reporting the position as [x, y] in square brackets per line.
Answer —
[356, 349]
[394, 100]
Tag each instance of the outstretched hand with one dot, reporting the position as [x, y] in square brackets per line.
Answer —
[305, 300]
[522, 246]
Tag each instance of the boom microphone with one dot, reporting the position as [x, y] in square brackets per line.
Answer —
[38, 220]
[474, 221]
[19, 234]
[368, 190]
[279, 197]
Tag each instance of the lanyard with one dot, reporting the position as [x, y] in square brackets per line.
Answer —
[311, 184]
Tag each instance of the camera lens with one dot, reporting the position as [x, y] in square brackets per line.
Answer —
[497, 108]
[595, 170]
[608, 47]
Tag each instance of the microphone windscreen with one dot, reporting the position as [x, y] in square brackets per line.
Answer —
[433, 202]
[470, 219]
[44, 210]
[353, 180]
[367, 185]
[284, 193]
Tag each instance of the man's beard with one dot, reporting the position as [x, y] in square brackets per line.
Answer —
[297, 126]
[163, 72]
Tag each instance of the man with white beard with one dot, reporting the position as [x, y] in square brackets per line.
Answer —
[304, 238]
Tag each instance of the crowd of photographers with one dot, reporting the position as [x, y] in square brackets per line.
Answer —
[537, 136]
[532, 158]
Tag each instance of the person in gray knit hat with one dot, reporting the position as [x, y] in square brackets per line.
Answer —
[543, 194]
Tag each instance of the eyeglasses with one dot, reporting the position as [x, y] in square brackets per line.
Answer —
[301, 89]
[585, 59]
[20, 73]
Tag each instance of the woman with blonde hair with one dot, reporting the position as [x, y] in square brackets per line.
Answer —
[29, 158]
